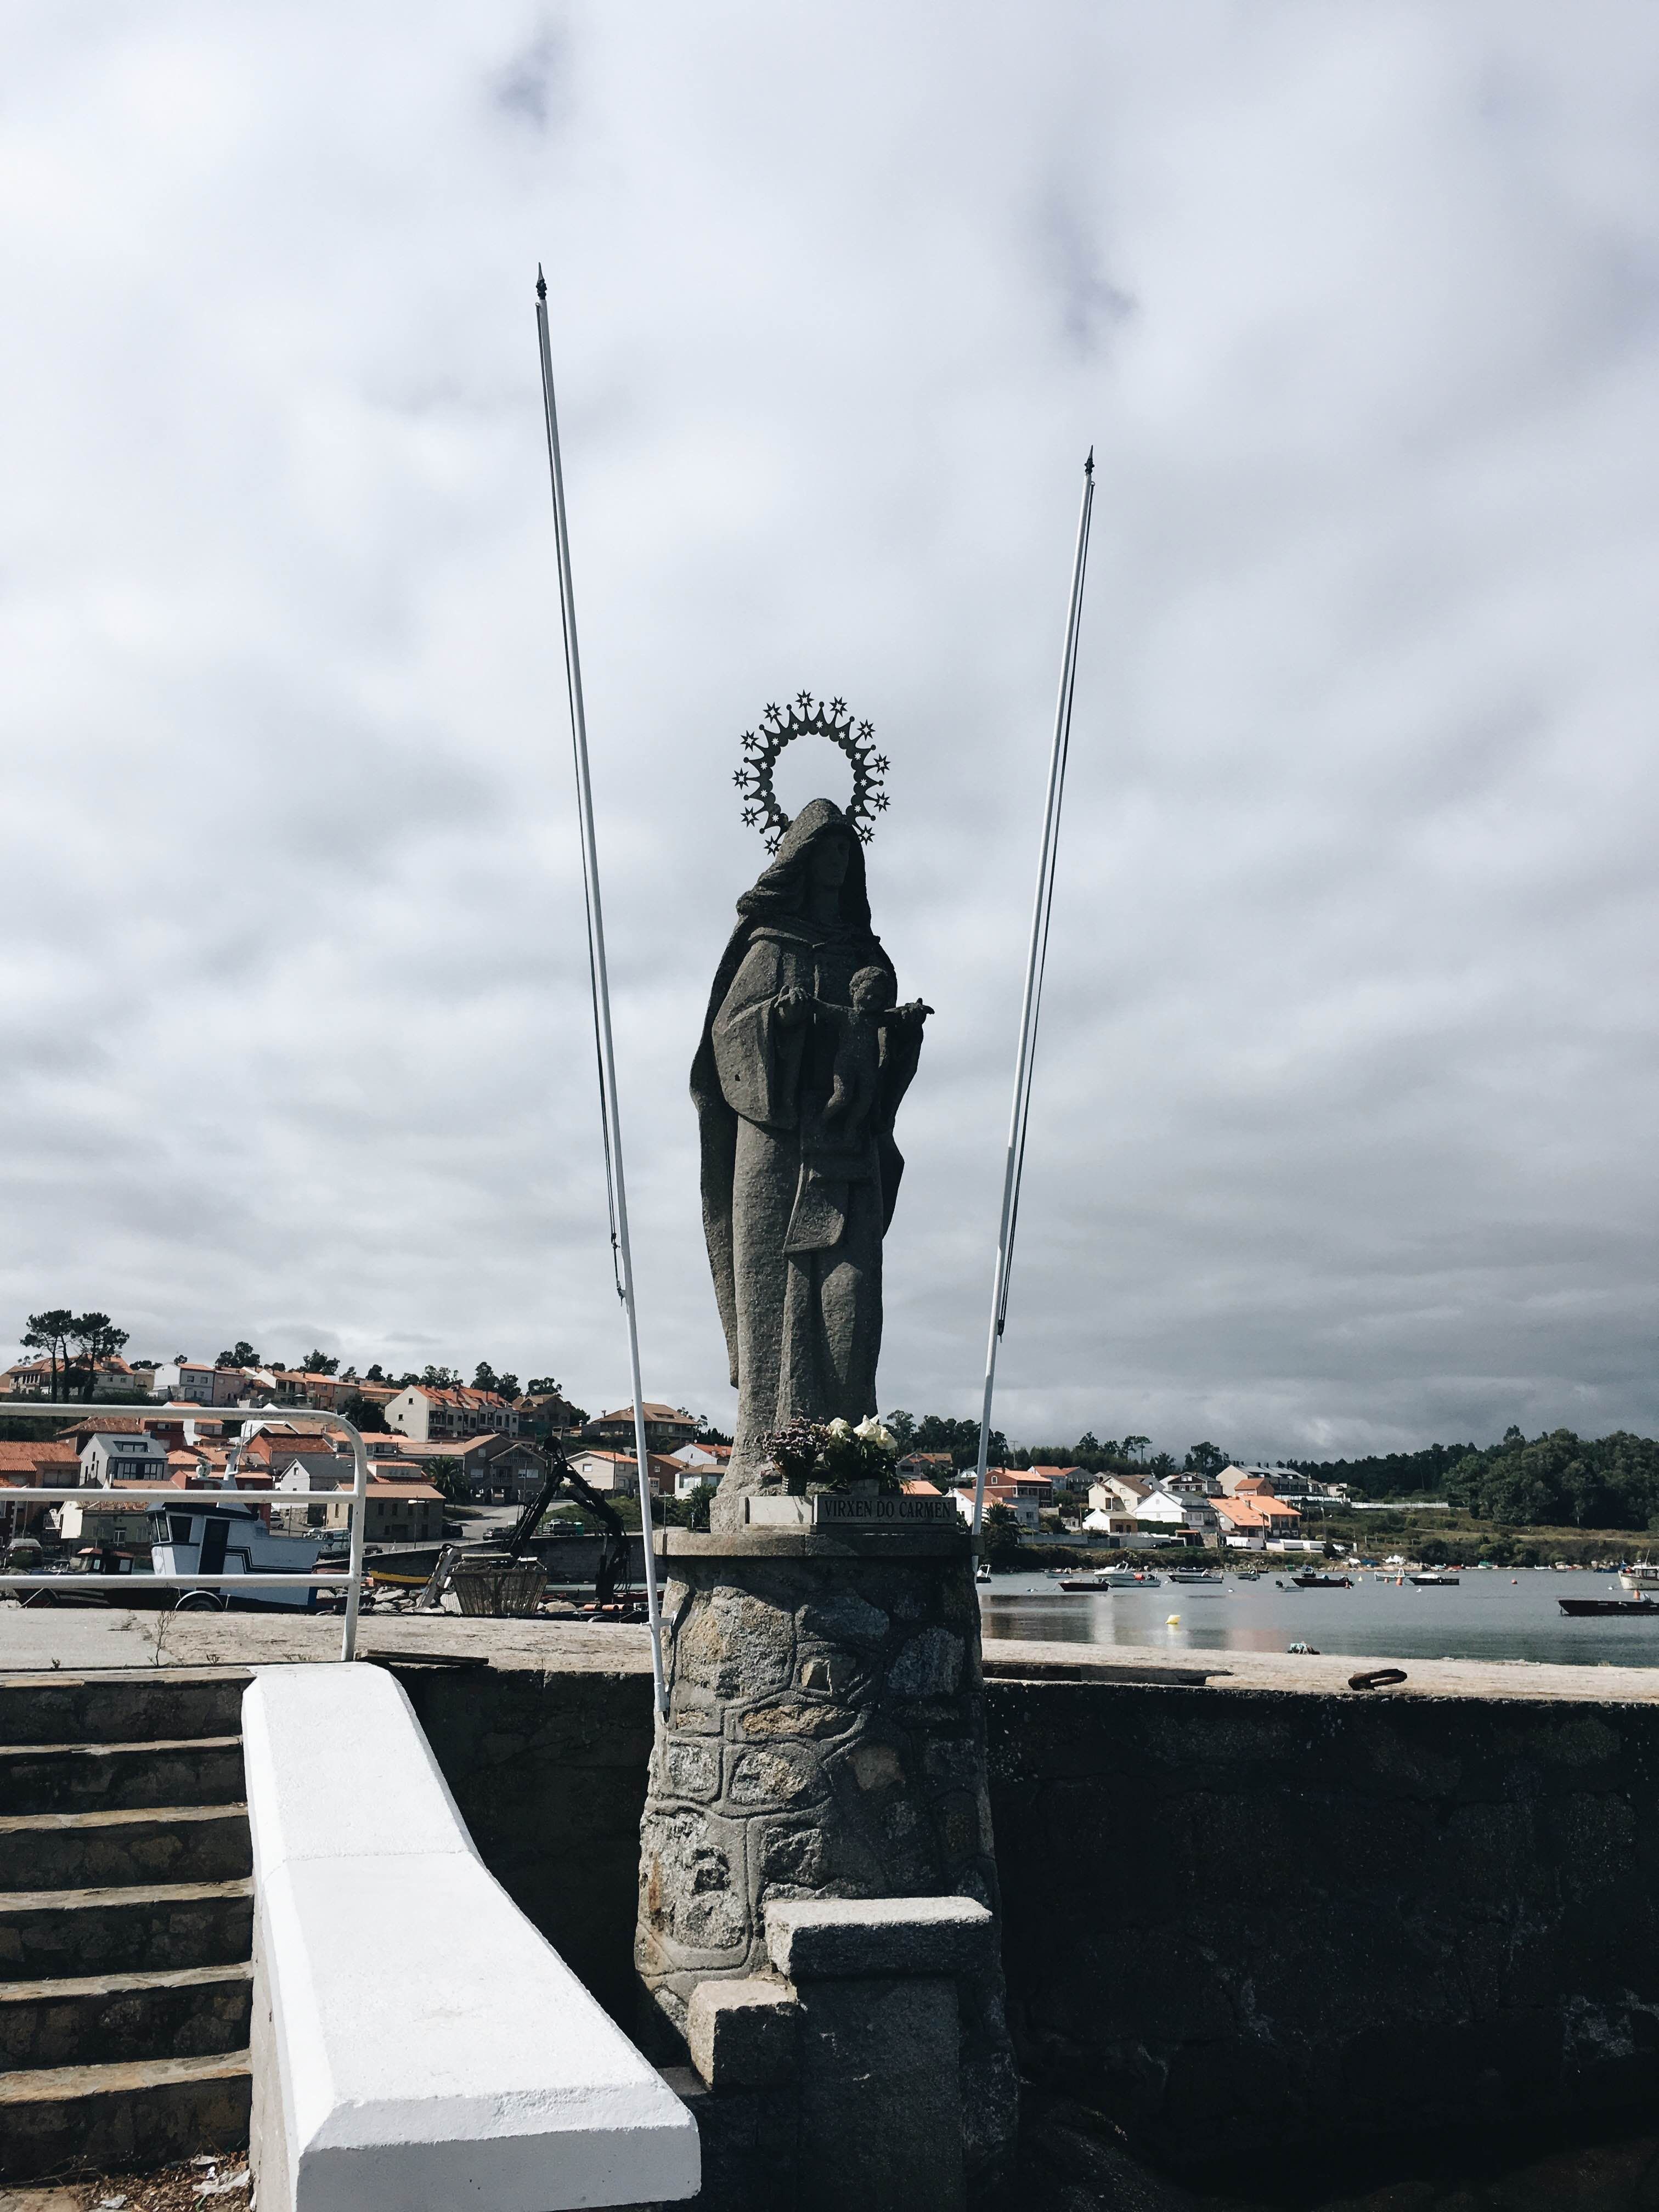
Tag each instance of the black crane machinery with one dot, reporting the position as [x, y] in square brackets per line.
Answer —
[611, 1594]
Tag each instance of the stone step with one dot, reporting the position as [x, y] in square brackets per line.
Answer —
[125, 2119]
[122, 1706]
[100, 1850]
[65, 1777]
[190, 2012]
[51, 1933]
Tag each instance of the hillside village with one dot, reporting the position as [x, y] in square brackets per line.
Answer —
[431, 1447]
[437, 1445]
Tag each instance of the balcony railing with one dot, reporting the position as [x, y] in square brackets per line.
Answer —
[82, 1410]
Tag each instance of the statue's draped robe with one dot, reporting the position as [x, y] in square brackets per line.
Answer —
[794, 1208]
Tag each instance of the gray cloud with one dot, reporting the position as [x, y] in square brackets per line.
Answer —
[1342, 1126]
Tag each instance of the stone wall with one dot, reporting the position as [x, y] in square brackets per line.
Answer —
[1264, 1932]
[1261, 1929]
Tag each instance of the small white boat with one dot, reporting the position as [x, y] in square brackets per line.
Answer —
[216, 1532]
[1641, 1580]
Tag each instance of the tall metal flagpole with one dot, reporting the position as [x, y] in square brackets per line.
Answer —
[1031, 999]
[572, 669]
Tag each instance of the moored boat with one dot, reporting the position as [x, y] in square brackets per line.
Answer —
[1603, 1608]
[1322, 1581]
[216, 1533]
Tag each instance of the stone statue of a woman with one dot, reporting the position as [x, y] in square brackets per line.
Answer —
[796, 1080]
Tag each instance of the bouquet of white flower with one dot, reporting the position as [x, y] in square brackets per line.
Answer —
[834, 1454]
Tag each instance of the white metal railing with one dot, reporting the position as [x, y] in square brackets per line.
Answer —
[86, 1410]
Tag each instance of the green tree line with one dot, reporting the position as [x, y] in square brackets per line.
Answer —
[1131, 1455]
[1554, 1481]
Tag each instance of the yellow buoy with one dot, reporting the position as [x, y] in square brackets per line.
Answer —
[1174, 1621]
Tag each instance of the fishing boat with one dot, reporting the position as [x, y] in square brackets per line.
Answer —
[1643, 1576]
[1196, 1578]
[1433, 1582]
[1322, 1581]
[1603, 1608]
[1108, 1578]
[97, 1574]
[405, 1566]
[220, 1534]
[411, 1566]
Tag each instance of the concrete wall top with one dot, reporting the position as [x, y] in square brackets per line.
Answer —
[338, 1770]
[433, 2050]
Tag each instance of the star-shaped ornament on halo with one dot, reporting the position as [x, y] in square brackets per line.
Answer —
[805, 718]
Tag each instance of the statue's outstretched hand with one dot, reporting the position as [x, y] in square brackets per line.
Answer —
[915, 1011]
[793, 1007]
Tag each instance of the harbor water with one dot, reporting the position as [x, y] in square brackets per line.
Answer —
[1485, 1616]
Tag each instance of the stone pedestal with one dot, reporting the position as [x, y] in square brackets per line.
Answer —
[825, 1739]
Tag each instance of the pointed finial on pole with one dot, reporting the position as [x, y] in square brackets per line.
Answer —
[541, 284]
[1089, 466]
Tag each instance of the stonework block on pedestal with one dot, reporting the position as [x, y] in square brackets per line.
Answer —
[881, 2096]
[742, 2034]
[814, 1938]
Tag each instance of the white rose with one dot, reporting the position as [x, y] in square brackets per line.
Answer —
[840, 1429]
[871, 1431]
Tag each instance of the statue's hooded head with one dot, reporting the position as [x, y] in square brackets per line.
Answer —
[802, 858]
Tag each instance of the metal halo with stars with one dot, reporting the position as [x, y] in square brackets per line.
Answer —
[804, 717]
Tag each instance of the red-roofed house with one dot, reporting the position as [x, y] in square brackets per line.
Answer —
[666, 1428]
[1065, 1481]
[26, 1466]
[1007, 1486]
[928, 1466]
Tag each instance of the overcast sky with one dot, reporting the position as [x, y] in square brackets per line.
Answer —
[1343, 1135]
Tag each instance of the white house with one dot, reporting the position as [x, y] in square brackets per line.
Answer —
[691, 1480]
[424, 1412]
[612, 1471]
[714, 1456]
[1117, 1493]
[1100, 1523]
[700, 1466]
[194, 1382]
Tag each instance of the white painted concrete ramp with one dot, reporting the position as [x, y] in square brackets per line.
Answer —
[419, 2046]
